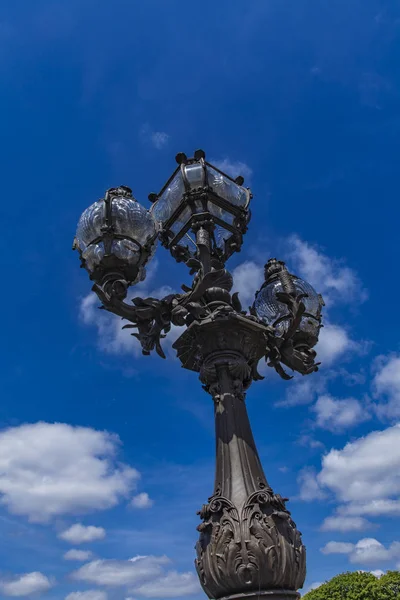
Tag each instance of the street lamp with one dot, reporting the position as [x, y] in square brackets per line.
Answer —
[249, 546]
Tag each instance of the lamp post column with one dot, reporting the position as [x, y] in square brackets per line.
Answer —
[249, 546]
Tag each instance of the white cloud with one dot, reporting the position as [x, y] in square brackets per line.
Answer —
[51, 469]
[313, 586]
[122, 572]
[80, 534]
[366, 469]
[337, 415]
[112, 339]
[247, 279]
[336, 282]
[233, 168]
[142, 501]
[87, 595]
[386, 384]
[366, 551]
[30, 583]
[373, 508]
[303, 391]
[378, 573]
[78, 555]
[364, 475]
[142, 575]
[344, 524]
[337, 548]
[172, 585]
[334, 342]
[310, 488]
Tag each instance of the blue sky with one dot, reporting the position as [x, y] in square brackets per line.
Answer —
[107, 455]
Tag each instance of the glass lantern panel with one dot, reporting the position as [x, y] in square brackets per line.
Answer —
[197, 206]
[282, 327]
[89, 225]
[126, 250]
[195, 175]
[311, 302]
[221, 236]
[181, 221]
[227, 189]
[220, 213]
[267, 307]
[131, 219]
[169, 200]
[93, 255]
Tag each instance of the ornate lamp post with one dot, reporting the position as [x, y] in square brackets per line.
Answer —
[249, 546]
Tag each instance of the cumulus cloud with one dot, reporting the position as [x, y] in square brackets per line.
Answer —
[172, 585]
[363, 476]
[25, 585]
[386, 386]
[366, 469]
[74, 554]
[233, 168]
[331, 278]
[305, 390]
[122, 572]
[112, 339]
[52, 469]
[344, 524]
[372, 508]
[366, 551]
[80, 534]
[334, 343]
[143, 576]
[337, 548]
[310, 488]
[338, 415]
[142, 501]
[87, 595]
[247, 279]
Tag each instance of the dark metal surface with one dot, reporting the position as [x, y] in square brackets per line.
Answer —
[249, 546]
[266, 595]
[248, 541]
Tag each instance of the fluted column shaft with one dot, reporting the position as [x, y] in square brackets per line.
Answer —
[238, 468]
[249, 546]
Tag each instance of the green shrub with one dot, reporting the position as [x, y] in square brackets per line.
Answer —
[358, 586]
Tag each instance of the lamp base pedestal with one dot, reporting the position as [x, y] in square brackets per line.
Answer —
[265, 595]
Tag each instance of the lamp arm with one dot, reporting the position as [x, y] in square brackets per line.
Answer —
[153, 317]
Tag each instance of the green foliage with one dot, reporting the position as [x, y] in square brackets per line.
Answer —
[390, 583]
[358, 586]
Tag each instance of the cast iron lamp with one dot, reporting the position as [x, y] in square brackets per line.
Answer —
[249, 546]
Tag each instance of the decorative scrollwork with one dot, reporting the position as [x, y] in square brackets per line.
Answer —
[297, 356]
[260, 548]
[152, 317]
